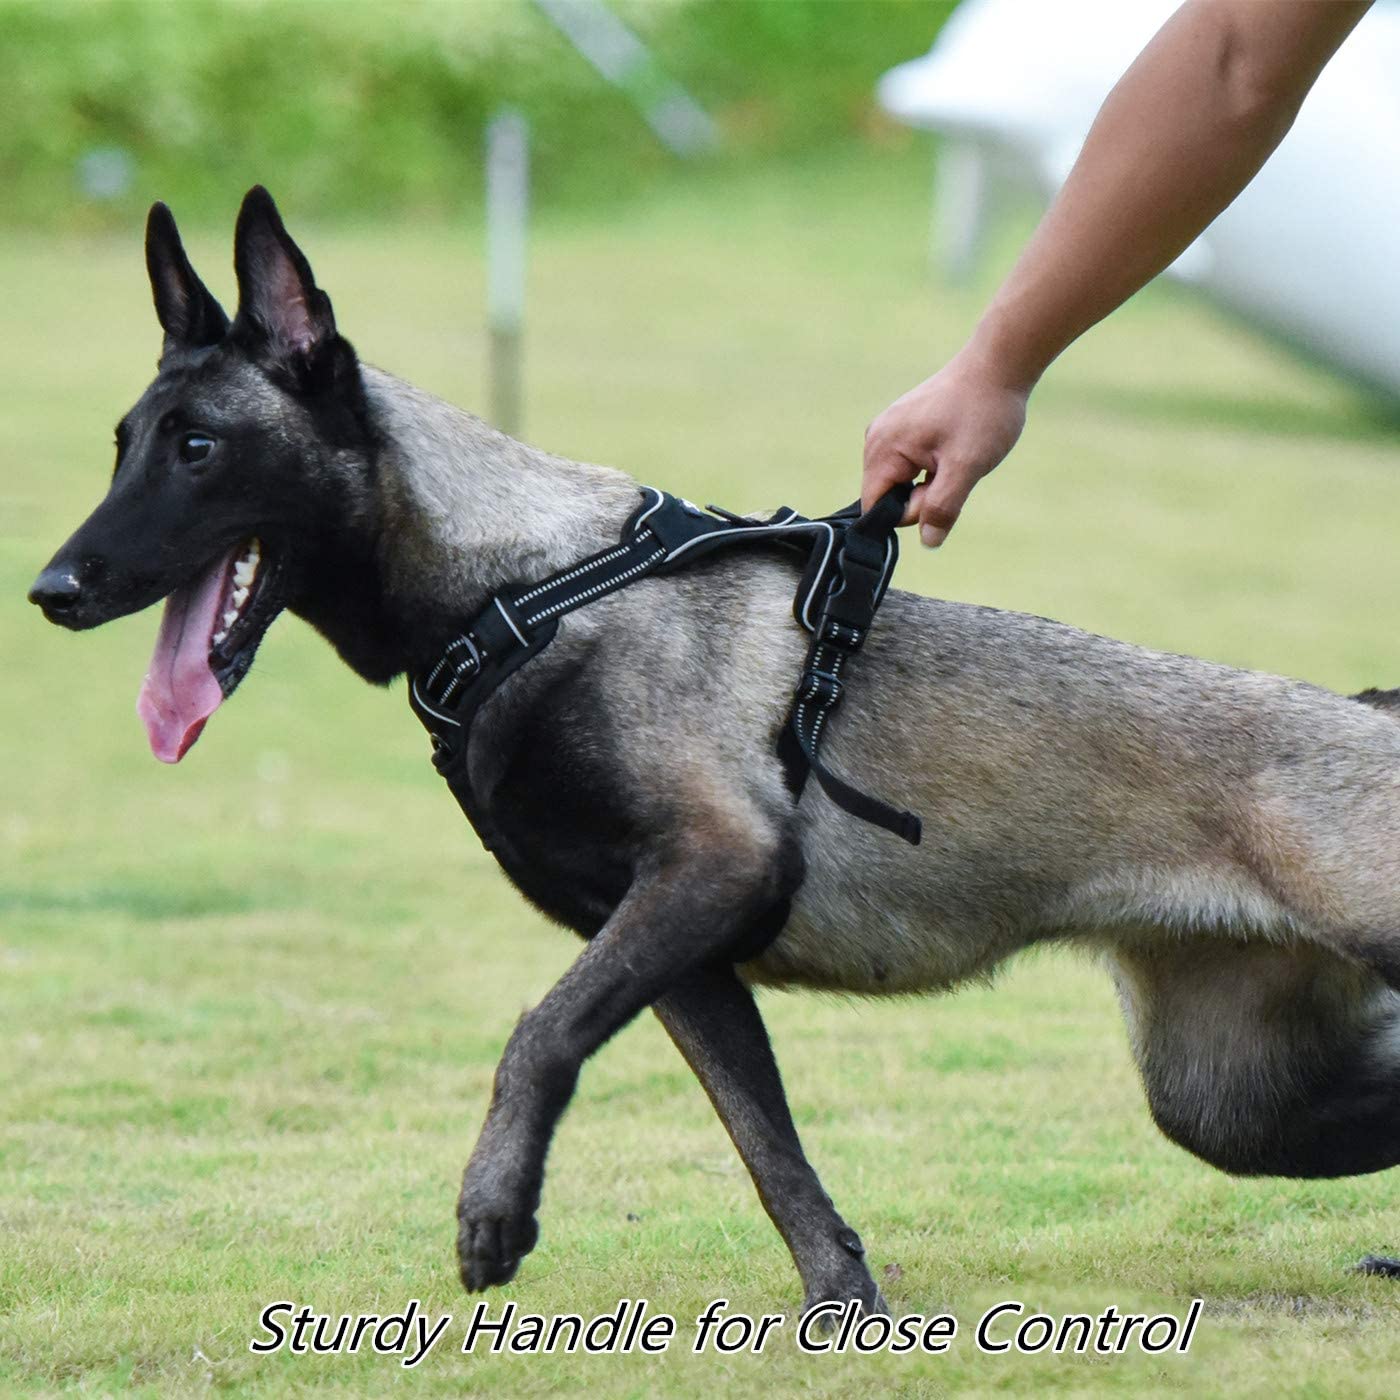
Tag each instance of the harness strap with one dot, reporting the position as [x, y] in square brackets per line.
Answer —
[861, 575]
[851, 558]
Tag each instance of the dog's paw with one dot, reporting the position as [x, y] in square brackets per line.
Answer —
[865, 1293]
[491, 1245]
[843, 1279]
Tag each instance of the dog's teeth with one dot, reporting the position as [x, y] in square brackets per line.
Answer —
[230, 617]
[247, 566]
[218, 637]
[240, 596]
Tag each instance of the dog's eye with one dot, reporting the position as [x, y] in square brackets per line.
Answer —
[194, 448]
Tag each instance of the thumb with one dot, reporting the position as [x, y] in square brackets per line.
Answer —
[942, 500]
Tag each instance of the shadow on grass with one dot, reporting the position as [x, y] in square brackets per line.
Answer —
[137, 901]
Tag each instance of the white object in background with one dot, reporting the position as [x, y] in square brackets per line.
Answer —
[1310, 251]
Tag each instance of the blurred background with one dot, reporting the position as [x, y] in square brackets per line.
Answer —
[259, 997]
[367, 111]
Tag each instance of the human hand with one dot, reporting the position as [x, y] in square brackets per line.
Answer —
[952, 429]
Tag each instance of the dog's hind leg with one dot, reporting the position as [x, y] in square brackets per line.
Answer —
[683, 910]
[715, 1024]
[1267, 1059]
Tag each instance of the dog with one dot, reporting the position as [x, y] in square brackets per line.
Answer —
[1228, 841]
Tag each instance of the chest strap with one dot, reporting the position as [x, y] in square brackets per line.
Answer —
[850, 560]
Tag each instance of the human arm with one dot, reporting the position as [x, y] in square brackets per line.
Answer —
[1183, 132]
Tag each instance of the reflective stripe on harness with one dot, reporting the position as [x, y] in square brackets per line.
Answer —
[850, 560]
[865, 560]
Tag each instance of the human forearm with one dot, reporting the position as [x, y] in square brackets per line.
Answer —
[1180, 136]
[1183, 132]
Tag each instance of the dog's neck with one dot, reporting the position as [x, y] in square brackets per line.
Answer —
[461, 510]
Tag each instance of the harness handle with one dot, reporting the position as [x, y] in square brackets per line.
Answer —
[884, 516]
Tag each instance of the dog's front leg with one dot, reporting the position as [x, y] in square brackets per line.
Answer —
[715, 1024]
[681, 913]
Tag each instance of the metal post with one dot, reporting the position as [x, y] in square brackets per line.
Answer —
[507, 216]
[620, 56]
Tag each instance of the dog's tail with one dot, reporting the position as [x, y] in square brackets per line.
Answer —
[1380, 699]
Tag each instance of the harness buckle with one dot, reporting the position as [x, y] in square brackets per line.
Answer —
[844, 635]
[473, 656]
[462, 659]
[822, 687]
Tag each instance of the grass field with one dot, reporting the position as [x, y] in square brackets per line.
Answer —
[251, 1006]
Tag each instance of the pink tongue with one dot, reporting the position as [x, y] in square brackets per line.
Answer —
[180, 692]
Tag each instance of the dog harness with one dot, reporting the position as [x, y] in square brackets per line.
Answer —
[850, 558]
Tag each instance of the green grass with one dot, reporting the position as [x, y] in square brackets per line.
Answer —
[251, 1006]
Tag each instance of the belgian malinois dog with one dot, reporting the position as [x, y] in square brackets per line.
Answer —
[1229, 841]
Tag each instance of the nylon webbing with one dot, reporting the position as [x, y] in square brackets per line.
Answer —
[851, 559]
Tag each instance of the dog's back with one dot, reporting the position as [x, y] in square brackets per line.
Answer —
[1070, 784]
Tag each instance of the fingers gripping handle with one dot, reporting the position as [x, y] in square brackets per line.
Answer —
[884, 516]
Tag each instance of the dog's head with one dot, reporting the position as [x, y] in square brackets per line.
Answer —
[250, 446]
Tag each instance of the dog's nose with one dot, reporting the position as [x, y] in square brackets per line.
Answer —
[56, 590]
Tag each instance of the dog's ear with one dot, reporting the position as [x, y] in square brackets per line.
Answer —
[186, 309]
[282, 313]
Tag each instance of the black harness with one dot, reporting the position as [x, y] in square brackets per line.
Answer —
[850, 560]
